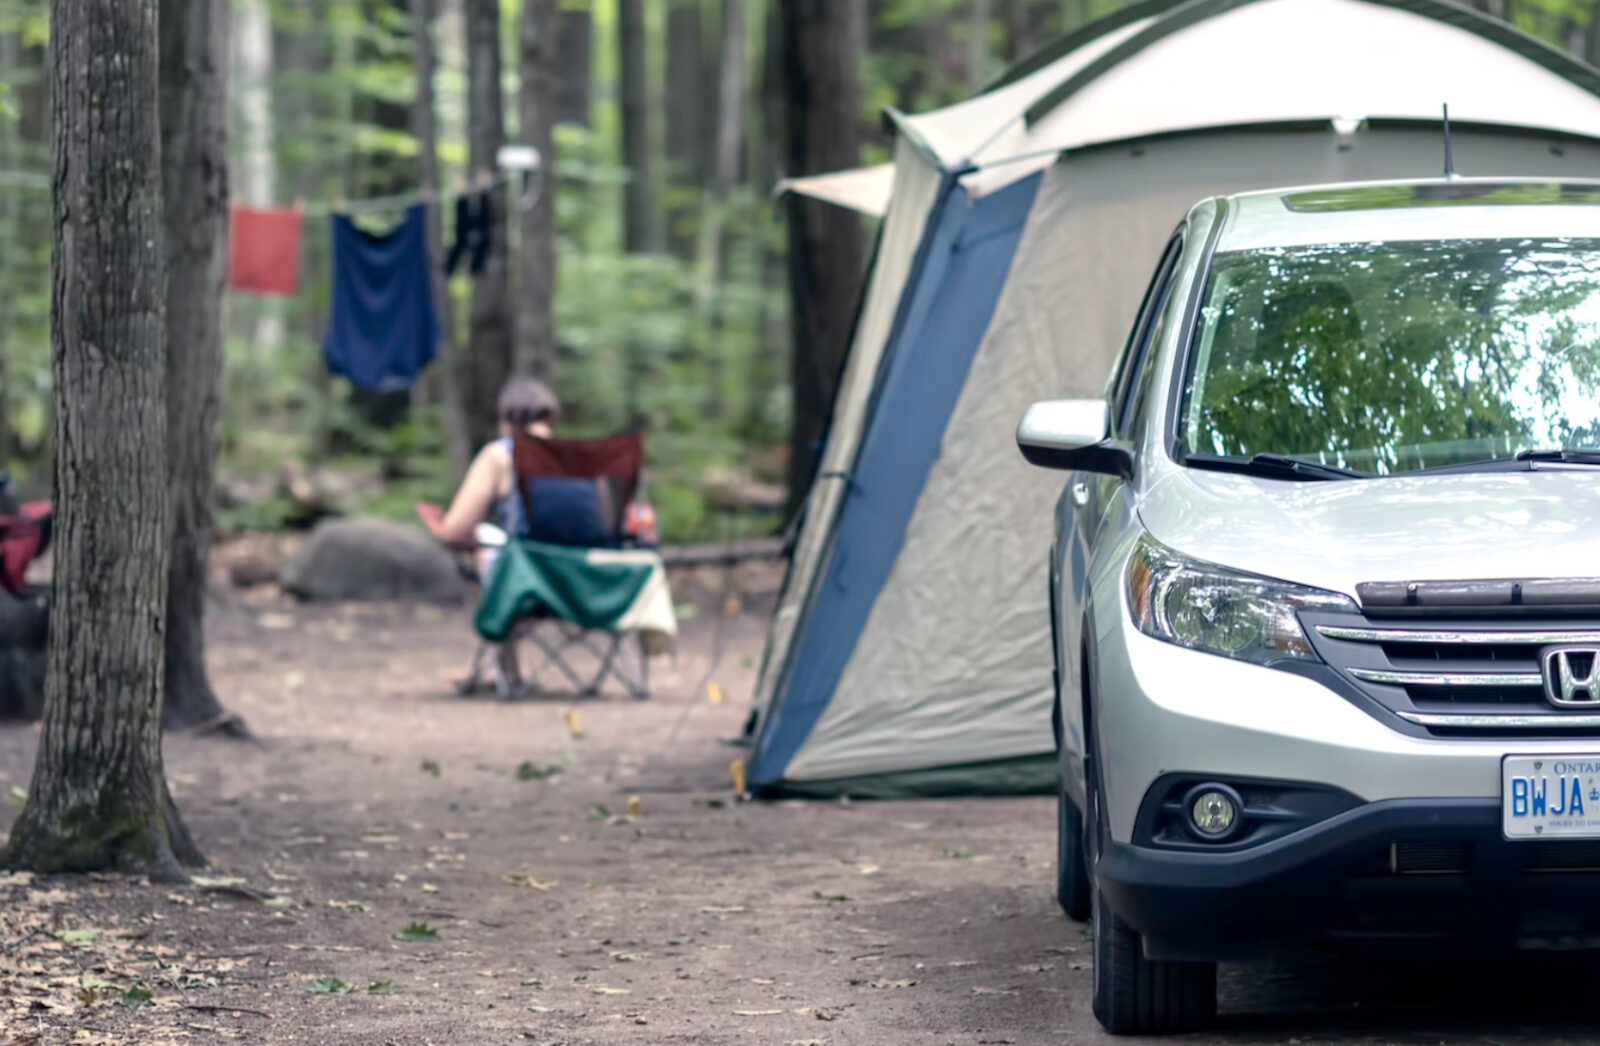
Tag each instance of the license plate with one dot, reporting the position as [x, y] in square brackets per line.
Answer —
[1550, 796]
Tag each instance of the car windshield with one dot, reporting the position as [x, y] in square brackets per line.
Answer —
[1392, 357]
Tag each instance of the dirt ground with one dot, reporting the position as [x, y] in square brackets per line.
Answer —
[547, 906]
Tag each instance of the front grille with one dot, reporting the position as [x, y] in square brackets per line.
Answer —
[1456, 676]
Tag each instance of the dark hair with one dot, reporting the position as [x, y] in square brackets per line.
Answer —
[525, 402]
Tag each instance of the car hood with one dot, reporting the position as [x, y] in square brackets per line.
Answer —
[1335, 535]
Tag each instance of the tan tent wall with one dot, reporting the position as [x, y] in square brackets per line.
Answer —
[916, 186]
[953, 666]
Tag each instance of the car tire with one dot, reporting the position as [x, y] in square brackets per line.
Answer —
[1072, 870]
[1134, 995]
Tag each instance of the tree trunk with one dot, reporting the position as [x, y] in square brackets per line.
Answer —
[685, 120]
[730, 120]
[1591, 52]
[827, 245]
[978, 45]
[194, 154]
[425, 125]
[99, 795]
[575, 58]
[258, 155]
[489, 360]
[9, 210]
[642, 233]
[536, 338]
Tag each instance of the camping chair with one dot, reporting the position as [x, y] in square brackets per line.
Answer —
[24, 536]
[567, 598]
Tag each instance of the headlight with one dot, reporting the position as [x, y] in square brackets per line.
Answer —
[1221, 611]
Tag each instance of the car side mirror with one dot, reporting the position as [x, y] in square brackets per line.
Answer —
[1073, 435]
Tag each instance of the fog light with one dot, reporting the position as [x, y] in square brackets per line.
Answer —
[1213, 813]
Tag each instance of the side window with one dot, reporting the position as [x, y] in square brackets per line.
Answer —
[1131, 370]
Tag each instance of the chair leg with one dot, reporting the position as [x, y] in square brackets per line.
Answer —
[507, 671]
[474, 681]
[553, 656]
[642, 691]
[606, 663]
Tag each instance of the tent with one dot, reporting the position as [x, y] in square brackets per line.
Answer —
[910, 652]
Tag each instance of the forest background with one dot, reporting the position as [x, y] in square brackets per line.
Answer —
[688, 300]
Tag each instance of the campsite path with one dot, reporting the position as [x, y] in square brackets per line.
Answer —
[553, 915]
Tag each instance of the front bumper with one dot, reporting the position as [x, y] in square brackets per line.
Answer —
[1431, 874]
[1163, 710]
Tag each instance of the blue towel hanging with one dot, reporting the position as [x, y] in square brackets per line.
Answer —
[383, 330]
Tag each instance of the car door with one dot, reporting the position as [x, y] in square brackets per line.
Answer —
[1081, 510]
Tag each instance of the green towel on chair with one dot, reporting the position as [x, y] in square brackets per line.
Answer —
[588, 587]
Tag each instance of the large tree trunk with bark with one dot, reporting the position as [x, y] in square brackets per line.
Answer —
[194, 155]
[536, 333]
[642, 232]
[99, 795]
[488, 359]
[822, 42]
[425, 125]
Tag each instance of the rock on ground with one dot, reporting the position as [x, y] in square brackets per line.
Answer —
[360, 560]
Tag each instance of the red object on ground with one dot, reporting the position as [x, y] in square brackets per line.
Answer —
[22, 539]
[265, 250]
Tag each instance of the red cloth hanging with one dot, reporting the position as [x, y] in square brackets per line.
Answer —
[265, 252]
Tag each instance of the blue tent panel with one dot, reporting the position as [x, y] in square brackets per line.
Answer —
[923, 371]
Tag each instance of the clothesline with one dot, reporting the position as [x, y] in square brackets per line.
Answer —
[321, 208]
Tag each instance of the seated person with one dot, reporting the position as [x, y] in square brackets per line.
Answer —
[564, 511]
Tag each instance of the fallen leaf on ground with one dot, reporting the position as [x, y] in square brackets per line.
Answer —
[382, 988]
[600, 989]
[431, 767]
[417, 932]
[327, 986]
[526, 881]
[136, 997]
[214, 881]
[83, 937]
[757, 1013]
[833, 898]
[429, 888]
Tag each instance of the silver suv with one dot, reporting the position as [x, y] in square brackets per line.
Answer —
[1326, 589]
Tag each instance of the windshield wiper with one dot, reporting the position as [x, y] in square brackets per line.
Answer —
[1273, 466]
[1565, 455]
[1523, 460]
